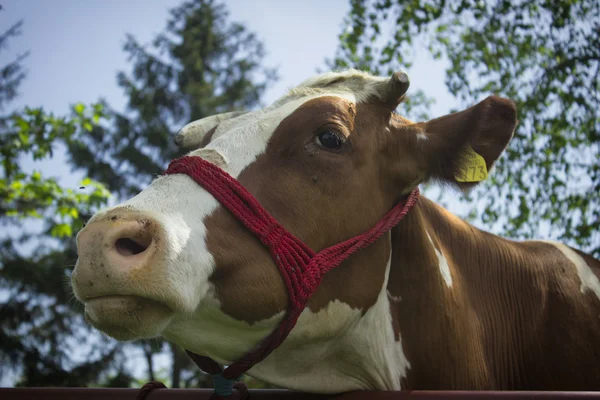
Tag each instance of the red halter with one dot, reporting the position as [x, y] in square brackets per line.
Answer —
[301, 269]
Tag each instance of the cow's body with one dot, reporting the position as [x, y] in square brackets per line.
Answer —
[433, 304]
[513, 315]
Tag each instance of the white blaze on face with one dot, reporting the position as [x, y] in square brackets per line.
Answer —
[442, 263]
[192, 134]
[241, 140]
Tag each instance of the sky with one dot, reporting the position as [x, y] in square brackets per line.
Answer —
[76, 46]
[76, 51]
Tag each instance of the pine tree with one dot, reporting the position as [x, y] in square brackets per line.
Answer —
[202, 64]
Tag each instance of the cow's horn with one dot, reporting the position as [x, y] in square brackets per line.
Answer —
[396, 89]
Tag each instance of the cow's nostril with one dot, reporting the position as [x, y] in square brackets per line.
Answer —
[130, 247]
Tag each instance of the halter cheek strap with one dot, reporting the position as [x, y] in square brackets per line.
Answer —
[300, 268]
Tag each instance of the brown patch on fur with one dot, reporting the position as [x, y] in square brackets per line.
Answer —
[317, 211]
[511, 308]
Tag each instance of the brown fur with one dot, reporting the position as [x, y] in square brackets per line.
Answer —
[514, 317]
[312, 188]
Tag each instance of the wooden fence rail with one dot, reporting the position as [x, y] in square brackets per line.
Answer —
[204, 394]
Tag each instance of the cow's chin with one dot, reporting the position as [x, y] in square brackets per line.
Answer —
[128, 317]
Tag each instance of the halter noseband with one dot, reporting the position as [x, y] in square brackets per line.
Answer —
[301, 268]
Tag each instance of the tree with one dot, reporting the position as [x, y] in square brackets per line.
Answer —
[545, 56]
[202, 64]
[40, 325]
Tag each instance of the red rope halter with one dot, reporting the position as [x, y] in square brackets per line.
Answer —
[301, 269]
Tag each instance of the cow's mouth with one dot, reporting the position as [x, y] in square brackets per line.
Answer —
[127, 317]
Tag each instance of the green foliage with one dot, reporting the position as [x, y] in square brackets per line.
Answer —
[33, 134]
[39, 322]
[41, 327]
[200, 65]
[546, 57]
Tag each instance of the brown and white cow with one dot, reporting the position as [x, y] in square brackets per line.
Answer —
[434, 304]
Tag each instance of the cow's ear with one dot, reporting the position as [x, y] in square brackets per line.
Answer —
[461, 148]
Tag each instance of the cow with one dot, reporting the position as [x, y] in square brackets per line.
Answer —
[434, 303]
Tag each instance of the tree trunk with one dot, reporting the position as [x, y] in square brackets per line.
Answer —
[149, 353]
[178, 363]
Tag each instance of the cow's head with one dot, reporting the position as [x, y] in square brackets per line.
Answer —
[327, 160]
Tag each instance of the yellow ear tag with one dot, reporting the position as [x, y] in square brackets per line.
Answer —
[474, 168]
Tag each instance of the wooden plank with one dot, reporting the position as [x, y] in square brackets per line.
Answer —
[204, 394]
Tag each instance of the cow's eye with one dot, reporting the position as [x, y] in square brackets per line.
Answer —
[330, 139]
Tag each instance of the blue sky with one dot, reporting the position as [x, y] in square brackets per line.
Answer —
[76, 45]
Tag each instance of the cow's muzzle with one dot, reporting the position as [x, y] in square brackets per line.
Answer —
[121, 261]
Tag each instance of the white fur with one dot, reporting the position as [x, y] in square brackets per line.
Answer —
[442, 264]
[192, 134]
[589, 281]
[241, 140]
[356, 85]
[172, 202]
[212, 333]
[362, 85]
[422, 136]
[336, 350]
[395, 299]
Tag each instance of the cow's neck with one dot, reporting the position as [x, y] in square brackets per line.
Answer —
[365, 356]
[427, 328]
[440, 274]
[412, 327]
